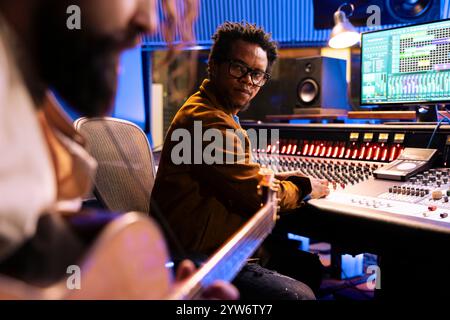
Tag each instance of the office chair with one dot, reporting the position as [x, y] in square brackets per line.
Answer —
[126, 170]
[124, 181]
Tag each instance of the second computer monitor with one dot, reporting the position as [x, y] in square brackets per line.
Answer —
[406, 65]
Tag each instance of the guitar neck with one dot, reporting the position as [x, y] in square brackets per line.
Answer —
[231, 257]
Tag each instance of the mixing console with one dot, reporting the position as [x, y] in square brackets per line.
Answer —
[340, 173]
[345, 164]
[405, 222]
[425, 195]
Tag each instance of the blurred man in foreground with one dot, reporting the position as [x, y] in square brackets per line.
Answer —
[43, 164]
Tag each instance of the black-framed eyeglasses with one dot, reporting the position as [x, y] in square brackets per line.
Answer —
[239, 70]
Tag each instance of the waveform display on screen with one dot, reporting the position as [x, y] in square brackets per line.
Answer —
[406, 65]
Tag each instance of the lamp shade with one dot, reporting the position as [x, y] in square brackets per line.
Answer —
[344, 34]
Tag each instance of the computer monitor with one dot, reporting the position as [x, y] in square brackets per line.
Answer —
[406, 65]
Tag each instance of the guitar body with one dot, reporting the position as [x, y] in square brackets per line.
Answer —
[127, 261]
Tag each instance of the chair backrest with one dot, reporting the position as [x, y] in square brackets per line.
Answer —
[126, 171]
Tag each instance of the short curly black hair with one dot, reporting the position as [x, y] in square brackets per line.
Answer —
[229, 32]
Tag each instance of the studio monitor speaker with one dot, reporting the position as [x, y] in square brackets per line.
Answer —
[321, 83]
[391, 11]
[310, 84]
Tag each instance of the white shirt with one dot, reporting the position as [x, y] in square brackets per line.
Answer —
[27, 179]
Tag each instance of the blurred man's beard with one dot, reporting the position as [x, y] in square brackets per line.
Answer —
[83, 73]
[87, 84]
[80, 67]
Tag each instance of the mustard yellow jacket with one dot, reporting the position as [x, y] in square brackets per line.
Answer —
[205, 204]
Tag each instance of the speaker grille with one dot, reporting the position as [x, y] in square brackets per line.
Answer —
[307, 91]
[408, 9]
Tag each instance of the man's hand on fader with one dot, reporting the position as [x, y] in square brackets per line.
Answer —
[319, 186]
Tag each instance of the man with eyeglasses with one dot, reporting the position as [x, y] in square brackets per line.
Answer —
[206, 203]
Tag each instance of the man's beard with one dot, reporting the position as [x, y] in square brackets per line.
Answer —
[237, 107]
[242, 108]
[80, 66]
[230, 105]
[86, 80]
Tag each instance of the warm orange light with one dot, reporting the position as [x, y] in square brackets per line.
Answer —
[369, 155]
[377, 154]
[363, 151]
[341, 154]
[330, 149]
[316, 153]
[294, 149]
[336, 150]
[393, 150]
[347, 154]
[322, 153]
[305, 149]
[385, 151]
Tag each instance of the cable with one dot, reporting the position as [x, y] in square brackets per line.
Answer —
[348, 283]
[354, 284]
[434, 132]
[444, 117]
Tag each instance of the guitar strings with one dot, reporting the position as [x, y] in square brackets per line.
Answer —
[258, 235]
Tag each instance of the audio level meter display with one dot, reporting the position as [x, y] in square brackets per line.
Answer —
[406, 65]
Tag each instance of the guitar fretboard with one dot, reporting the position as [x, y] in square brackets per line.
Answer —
[231, 257]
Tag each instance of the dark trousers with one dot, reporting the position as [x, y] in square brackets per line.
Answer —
[258, 283]
[281, 272]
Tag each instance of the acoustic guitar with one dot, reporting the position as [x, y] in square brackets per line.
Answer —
[128, 260]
